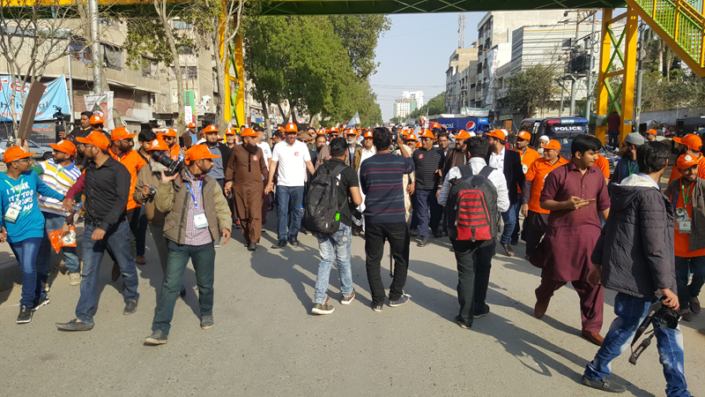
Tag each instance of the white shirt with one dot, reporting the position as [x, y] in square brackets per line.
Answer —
[266, 152]
[291, 161]
[496, 177]
[497, 160]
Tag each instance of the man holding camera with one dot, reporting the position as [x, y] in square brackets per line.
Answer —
[634, 256]
[197, 214]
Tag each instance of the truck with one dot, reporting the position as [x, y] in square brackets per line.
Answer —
[469, 124]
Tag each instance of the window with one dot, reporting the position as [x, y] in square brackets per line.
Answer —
[112, 57]
[149, 68]
[193, 72]
[80, 50]
[185, 49]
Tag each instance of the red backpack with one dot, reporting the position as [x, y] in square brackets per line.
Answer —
[471, 209]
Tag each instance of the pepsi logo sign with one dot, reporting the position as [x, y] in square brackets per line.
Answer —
[470, 126]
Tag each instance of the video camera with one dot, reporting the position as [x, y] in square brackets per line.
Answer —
[660, 316]
[163, 157]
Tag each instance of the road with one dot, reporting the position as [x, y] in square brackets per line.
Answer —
[266, 343]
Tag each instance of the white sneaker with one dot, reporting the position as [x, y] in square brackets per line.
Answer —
[75, 279]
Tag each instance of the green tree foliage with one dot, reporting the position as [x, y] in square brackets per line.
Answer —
[359, 35]
[435, 106]
[677, 91]
[532, 90]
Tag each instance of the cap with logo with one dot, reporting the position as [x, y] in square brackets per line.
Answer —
[553, 144]
[463, 135]
[524, 135]
[691, 140]
[95, 119]
[427, 134]
[497, 134]
[64, 147]
[411, 137]
[248, 132]
[14, 153]
[97, 139]
[231, 131]
[158, 145]
[121, 133]
[198, 152]
[291, 128]
[686, 161]
[652, 132]
[351, 131]
[210, 128]
[368, 134]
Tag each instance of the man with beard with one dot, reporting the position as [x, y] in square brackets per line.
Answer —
[170, 138]
[351, 137]
[243, 177]
[651, 135]
[627, 166]
[322, 152]
[82, 131]
[443, 143]
[690, 144]
[456, 156]
[191, 136]
[528, 155]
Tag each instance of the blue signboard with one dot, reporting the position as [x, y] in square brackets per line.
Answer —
[469, 124]
[55, 95]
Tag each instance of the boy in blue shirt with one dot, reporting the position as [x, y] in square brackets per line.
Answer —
[23, 225]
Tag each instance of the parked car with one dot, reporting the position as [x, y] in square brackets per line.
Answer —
[43, 151]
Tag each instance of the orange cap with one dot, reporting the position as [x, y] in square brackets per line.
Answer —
[553, 144]
[686, 161]
[121, 133]
[198, 152]
[210, 128]
[463, 135]
[351, 131]
[334, 129]
[291, 127]
[418, 144]
[411, 137]
[322, 131]
[434, 124]
[524, 135]
[158, 145]
[427, 134]
[691, 140]
[280, 128]
[191, 125]
[95, 119]
[231, 131]
[368, 134]
[97, 139]
[170, 133]
[652, 132]
[496, 133]
[15, 153]
[64, 147]
[248, 132]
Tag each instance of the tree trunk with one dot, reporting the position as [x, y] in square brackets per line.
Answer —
[161, 11]
[285, 116]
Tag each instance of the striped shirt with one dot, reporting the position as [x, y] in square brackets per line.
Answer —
[60, 179]
[381, 181]
[427, 163]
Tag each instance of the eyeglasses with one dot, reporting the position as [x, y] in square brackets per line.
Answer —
[26, 159]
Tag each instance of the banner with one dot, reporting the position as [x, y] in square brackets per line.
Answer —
[54, 96]
[355, 120]
[102, 105]
[188, 115]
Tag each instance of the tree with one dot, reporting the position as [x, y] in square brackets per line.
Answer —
[359, 35]
[532, 90]
[435, 106]
[32, 36]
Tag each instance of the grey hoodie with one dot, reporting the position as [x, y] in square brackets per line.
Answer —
[635, 248]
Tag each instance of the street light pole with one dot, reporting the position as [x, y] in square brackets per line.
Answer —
[95, 48]
[591, 58]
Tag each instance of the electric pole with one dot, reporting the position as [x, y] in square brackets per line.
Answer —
[461, 30]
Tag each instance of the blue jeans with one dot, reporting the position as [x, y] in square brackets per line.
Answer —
[630, 312]
[684, 268]
[203, 259]
[517, 210]
[53, 223]
[613, 138]
[289, 211]
[117, 238]
[141, 236]
[334, 247]
[510, 222]
[32, 275]
[429, 211]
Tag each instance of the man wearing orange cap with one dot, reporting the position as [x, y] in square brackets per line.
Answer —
[535, 217]
[351, 139]
[190, 136]
[651, 135]
[82, 131]
[243, 180]
[428, 163]
[107, 187]
[689, 236]
[528, 156]
[690, 144]
[509, 162]
[169, 136]
[574, 194]
[362, 153]
[59, 173]
[322, 152]
[197, 214]
[217, 148]
[22, 226]
[456, 156]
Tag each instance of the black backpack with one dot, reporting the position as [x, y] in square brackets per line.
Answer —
[322, 214]
[471, 209]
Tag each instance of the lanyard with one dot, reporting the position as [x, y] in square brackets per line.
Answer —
[193, 196]
[18, 186]
[634, 169]
[522, 156]
[685, 198]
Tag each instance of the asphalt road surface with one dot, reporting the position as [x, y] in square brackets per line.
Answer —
[266, 342]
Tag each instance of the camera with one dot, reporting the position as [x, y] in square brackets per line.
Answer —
[658, 315]
[164, 158]
[152, 190]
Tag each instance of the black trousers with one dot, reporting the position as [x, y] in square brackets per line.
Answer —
[474, 260]
[534, 229]
[398, 236]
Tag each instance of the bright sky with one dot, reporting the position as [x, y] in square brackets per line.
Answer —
[413, 55]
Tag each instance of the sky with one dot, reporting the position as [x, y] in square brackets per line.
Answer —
[414, 54]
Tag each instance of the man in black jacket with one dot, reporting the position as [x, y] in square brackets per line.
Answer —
[509, 162]
[634, 256]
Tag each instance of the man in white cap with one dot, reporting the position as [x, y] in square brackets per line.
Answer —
[627, 166]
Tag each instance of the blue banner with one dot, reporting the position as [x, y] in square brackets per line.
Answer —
[55, 96]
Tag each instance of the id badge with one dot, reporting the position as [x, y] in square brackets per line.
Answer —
[200, 221]
[12, 213]
[684, 227]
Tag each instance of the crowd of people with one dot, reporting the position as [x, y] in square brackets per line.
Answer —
[580, 224]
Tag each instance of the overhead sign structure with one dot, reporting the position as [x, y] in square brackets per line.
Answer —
[102, 105]
[53, 96]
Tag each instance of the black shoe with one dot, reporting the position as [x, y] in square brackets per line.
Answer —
[207, 322]
[377, 308]
[182, 293]
[130, 308]
[247, 244]
[252, 247]
[461, 323]
[605, 385]
[293, 242]
[39, 302]
[414, 232]
[25, 315]
[423, 242]
[157, 338]
[436, 233]
[74, 325]
[116, 271]
[514, 242]
[403, 300]
[280, 244]
[508, 251]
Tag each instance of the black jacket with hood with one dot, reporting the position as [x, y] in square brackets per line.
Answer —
[635, 248]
